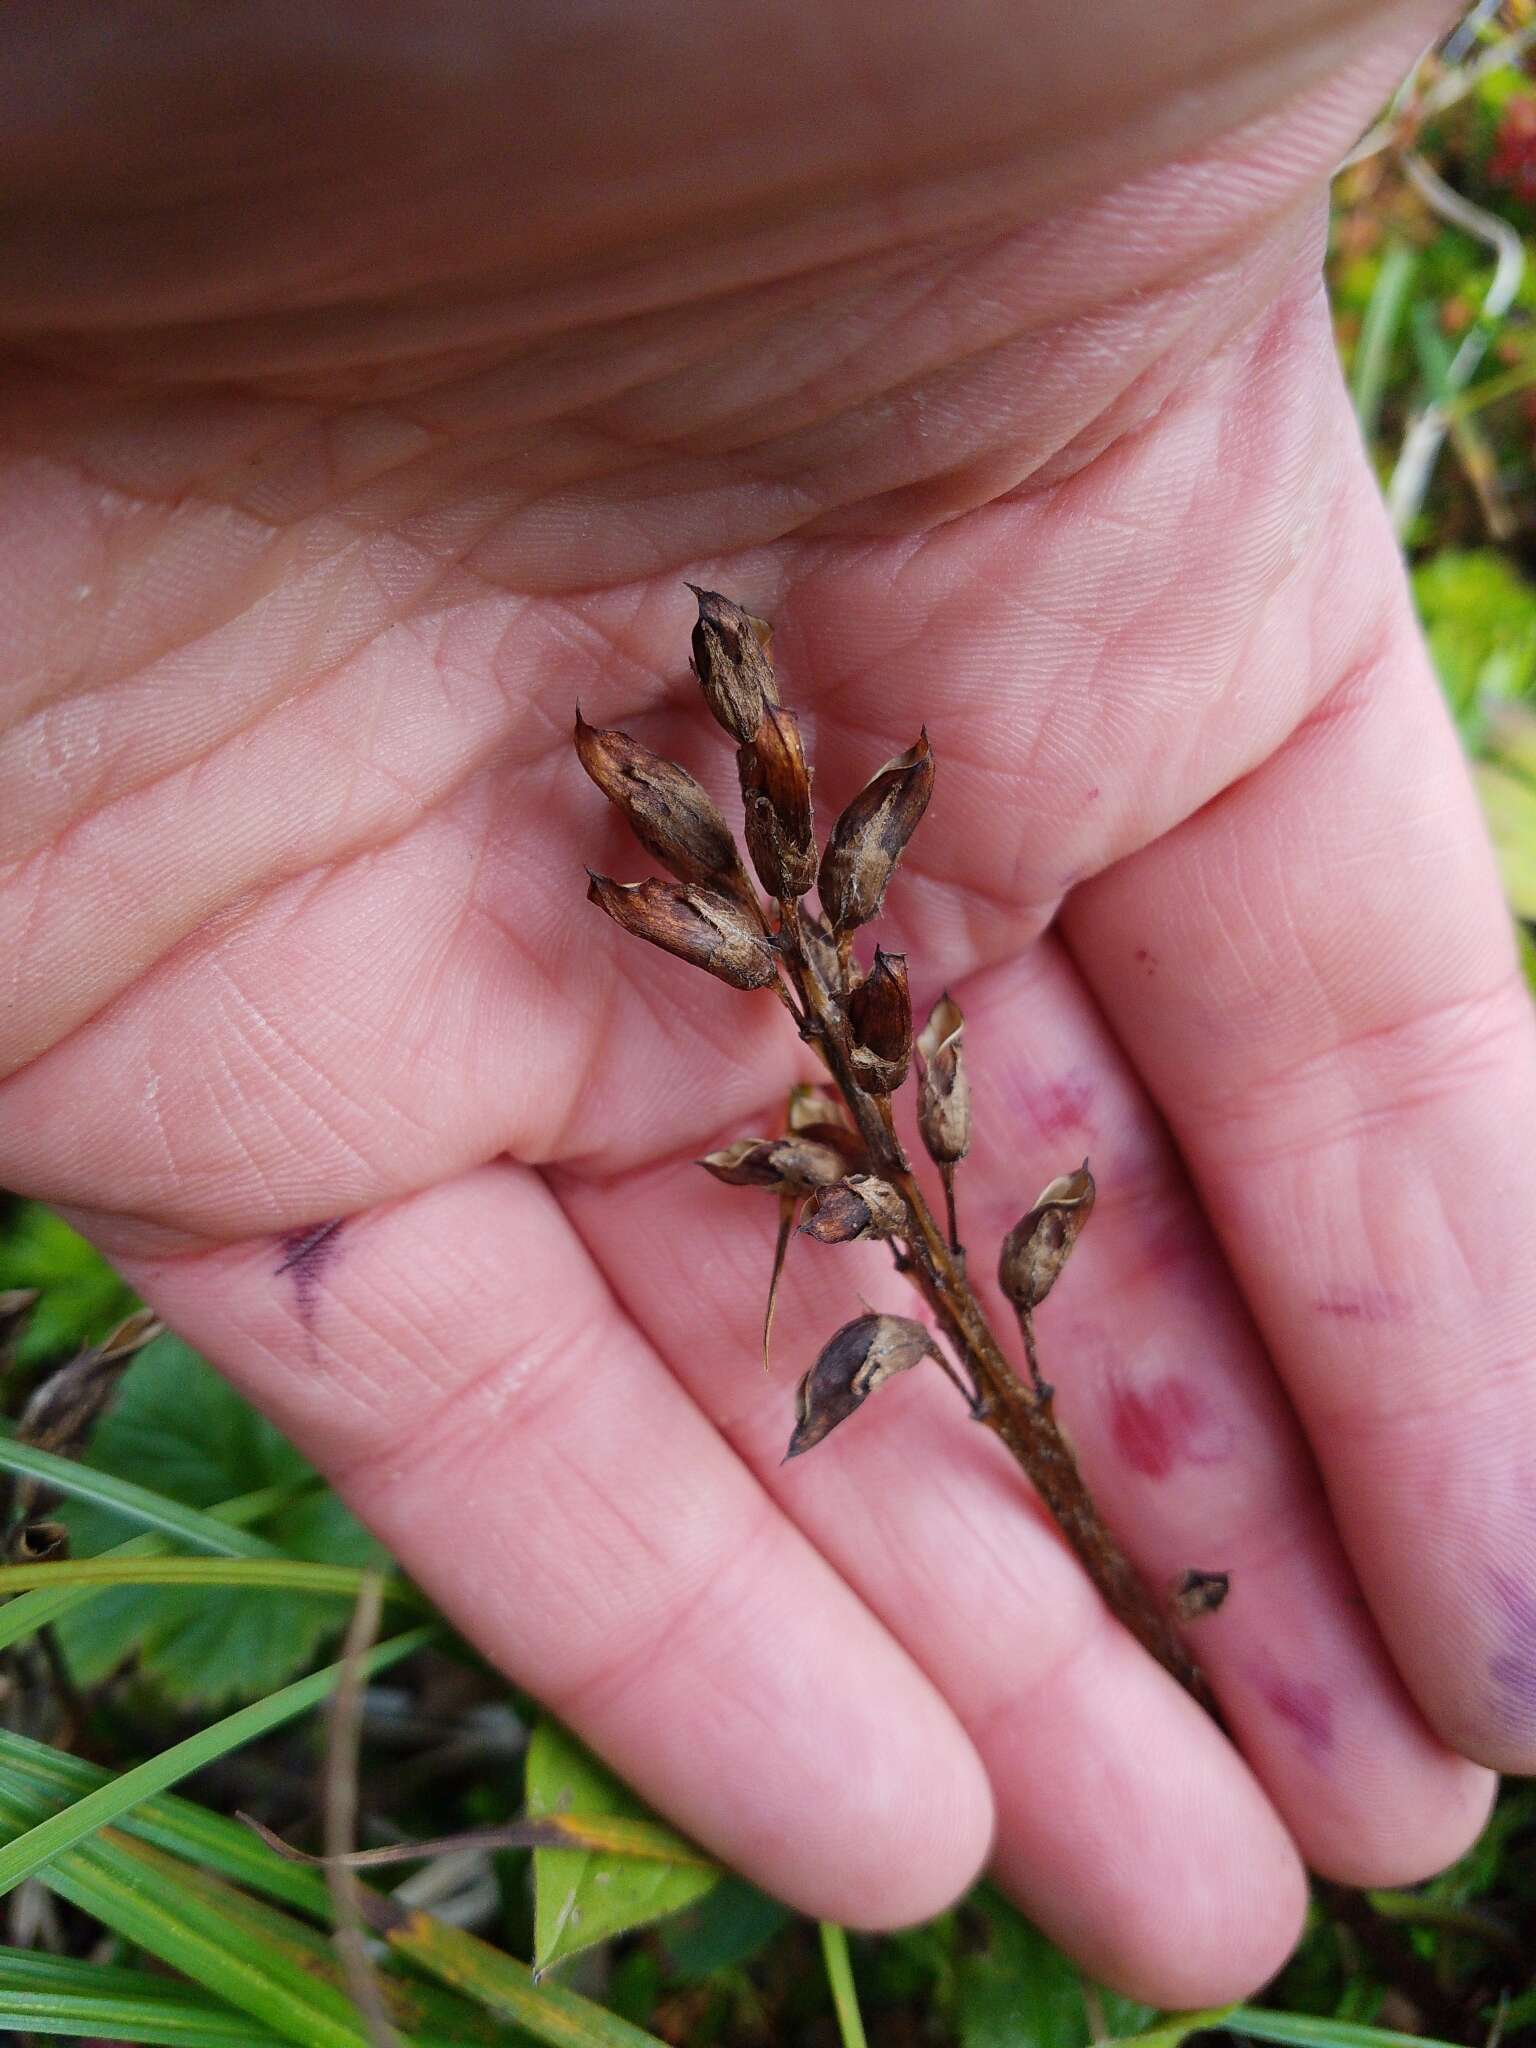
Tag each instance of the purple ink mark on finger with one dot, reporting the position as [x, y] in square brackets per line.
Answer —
[1303, 1706]
[1164, 1424]
[1513, 1668]
[1064, 1106]
[1368, 1305]
[306, 1254]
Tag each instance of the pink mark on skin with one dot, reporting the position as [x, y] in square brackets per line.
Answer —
[1145, 959]
[1164, 1424]
[1369, 1305]
[1063, 1106]
[1093, 796]
[1303, 1706]
[1513, 1668]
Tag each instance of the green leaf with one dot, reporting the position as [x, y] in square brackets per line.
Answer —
[1479, 616]
[1015, 1990]
[80, 1297]
[724, 1930]
[42, 1994]
[1303, 2030]
[1509, 806]
[40, 1844]
[174, 1419]
[582, 1896]
[845, 2000]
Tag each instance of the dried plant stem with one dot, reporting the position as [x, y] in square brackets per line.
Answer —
[1021, 1417]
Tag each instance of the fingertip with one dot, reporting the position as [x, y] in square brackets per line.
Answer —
[1388, 1846]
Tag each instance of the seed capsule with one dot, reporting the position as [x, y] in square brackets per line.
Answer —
[944, 1092]
[863, 1355]
[880, 1014]
[859, 1207]
[1196, 1593]
[776, 796]
[694, 923]
[868, 838]
[730, 659]
[1037, 1247]
[670, 814]
[792, 1165]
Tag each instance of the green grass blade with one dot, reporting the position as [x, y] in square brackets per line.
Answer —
[1305, 2030]
[276, 1573]
[500, 1983]
[198, 1528]
[1174, 2028]
[18, 1859]
[845, 2000]
[25, 1613]
[42, 1994]
[1378, 331]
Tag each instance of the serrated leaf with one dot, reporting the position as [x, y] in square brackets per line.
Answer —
[80, 1298]
[582, 1896]
[175, 1421]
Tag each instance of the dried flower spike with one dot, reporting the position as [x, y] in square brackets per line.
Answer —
[841, 1164]
[868, 839]
[1037, 1247]
[863, 1355]
[694, 923]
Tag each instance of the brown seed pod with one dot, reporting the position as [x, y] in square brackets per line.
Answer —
[944, 1093]
[880, 1015]
[730, 659]
[859, 1207]
[670, 814]
[695, 923]
[792, 1165]
[868, 838]
[863, 1355]
[1036, 1248]
[776, 799]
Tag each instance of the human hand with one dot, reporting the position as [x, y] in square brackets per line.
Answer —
[374, 383]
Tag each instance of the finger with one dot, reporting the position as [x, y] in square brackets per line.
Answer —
[1187, 1442]
[459, 1368]
[1316, 976]
[1086, 1741]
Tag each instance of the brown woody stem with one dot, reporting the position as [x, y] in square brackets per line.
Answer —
[1021, 1416]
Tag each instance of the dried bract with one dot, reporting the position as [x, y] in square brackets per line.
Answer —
[730, 659]
[880, 1017]
[944, 1093]
[863, 1355]
[1036, 1249]
[670, 814]
[1197, 1593]
[792, 1165]
[776, 794]
[861, 1206]
[695, 923]
[868, 838]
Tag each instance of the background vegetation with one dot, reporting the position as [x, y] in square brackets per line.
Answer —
[179, 1637]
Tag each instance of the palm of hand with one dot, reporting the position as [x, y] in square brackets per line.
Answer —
[294, 904]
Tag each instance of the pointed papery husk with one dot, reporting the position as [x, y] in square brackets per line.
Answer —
[730, 659]
[860, 1357]
[944, 1091]
[694, 923]
[1039, 1244]
[868, 839]
[862, 1206]
[671, 814]
[796, 1163]
[776, 798]
[880, 1016]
